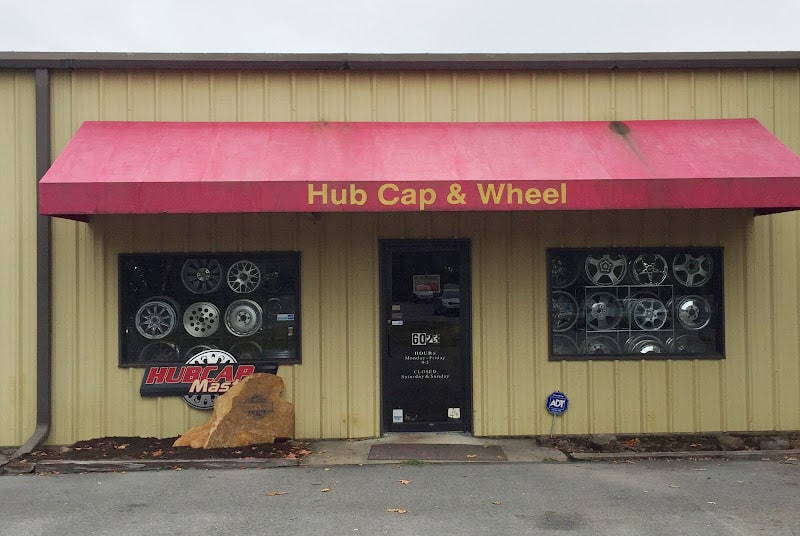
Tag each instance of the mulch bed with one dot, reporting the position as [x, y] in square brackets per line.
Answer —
[665, 442]
[152, 448]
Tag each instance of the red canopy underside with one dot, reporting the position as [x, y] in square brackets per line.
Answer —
[186, 168]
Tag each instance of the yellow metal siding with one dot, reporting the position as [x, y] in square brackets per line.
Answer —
[18, 242]
[336, 389]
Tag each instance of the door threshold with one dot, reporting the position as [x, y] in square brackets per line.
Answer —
[428, 437]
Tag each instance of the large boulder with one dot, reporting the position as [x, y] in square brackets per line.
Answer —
[249, 413]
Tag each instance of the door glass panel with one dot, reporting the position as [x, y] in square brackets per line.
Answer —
[424, 385]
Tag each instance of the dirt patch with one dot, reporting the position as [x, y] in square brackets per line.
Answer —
[674, 442]
[151, 448]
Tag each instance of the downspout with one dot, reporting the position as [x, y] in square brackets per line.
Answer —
[43, 273]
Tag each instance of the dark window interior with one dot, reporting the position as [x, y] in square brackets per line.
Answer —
[636, 303]
[173, 306]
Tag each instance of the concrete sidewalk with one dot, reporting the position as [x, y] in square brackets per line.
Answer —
[334, 452]
[356, 451]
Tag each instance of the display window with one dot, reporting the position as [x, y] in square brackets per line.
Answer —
[173, 306]
[636, 303]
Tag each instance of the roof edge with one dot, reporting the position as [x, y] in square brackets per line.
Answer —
[372, 62]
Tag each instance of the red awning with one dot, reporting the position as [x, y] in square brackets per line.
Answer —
[156, 167]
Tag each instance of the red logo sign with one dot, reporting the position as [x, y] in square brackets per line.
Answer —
[181, 380]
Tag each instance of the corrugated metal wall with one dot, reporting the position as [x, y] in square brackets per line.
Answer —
[18, 269]
[336, 389]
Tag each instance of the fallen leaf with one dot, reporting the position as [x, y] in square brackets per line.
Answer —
[290, 455]
[631, 443]
[673, 486]
[157, 452]
[325, 490]
[472, 455]
[121, 447]
[179, 469]
[497, 502]
[396, 510]
[276, 493]
[404, 482]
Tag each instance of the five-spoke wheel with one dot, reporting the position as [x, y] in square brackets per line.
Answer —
[603, 311]
[606, 269]
[650, 269]
[692, 270]
[649, 314]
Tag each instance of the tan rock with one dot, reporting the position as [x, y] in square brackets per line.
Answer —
[249, 413]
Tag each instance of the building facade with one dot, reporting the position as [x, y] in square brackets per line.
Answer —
[519, 333]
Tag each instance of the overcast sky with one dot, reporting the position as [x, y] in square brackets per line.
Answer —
[399, 26]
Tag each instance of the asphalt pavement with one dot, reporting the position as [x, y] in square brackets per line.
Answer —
[641, 497]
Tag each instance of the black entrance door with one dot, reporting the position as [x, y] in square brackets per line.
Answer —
[426, 360]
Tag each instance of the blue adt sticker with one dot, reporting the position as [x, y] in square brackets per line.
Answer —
[557, 403]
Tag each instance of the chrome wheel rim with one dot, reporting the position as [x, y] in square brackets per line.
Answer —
[159, 352]
[692, 270]
[603, 311]
[606, 269]
[564, 311]
[650, 269]
[156, 318]
[246, 351]
[649, 314]
[201, 319]
[244, 277]
[563, 271]
[644, 344]
[243, 318]
[693, 312]
[273, 306]
[601, 344]
[201, 276]
[564, 344]
[688, 343]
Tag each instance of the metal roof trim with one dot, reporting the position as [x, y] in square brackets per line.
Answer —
[373, 62]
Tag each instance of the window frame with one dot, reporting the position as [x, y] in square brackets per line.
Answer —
[627, 313]
[253, 318]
